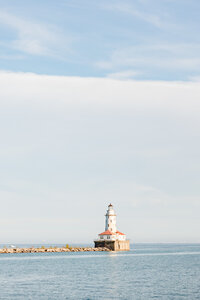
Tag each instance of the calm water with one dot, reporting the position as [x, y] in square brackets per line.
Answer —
[146, 272]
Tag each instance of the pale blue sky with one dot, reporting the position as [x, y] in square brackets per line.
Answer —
[99, 103]
[142, 39]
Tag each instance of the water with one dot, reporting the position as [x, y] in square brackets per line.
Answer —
[148, 271]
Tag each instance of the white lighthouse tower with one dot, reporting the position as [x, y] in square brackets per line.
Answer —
[110, 219]
[111, 237]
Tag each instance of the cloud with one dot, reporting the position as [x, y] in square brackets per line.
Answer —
[31, 37]
[29, 87]
[69, 142]
[150, 18]
[194, 78]
[123, 74]
[154, 57]
[11, 57]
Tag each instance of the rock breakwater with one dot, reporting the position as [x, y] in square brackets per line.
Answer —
[51, 249]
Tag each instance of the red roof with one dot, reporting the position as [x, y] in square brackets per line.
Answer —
[107, 232]
[118, 232]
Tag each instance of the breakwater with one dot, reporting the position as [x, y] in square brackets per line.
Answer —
[51, 249]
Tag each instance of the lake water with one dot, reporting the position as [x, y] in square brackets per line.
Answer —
[148, 271]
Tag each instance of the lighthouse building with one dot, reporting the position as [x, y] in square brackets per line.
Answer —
[111, 237]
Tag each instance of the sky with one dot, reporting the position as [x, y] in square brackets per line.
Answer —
[99, 103]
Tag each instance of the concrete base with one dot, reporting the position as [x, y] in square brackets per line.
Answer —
[113, 245]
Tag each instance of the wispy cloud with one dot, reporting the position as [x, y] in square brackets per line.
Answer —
[155, 56]
[31, 37]
[194, 78]
[126, 8]
[11, 57]
[123, 74]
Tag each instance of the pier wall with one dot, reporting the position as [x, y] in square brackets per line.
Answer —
[113, 245]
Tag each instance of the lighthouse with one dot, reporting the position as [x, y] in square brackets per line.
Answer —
[111, 237]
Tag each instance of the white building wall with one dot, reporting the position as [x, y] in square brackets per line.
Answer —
[107, 237]
[121, 237]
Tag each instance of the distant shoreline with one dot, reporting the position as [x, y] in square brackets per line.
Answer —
[51, 249]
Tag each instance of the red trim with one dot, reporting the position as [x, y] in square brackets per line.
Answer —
[107, 232]
[118, 232]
